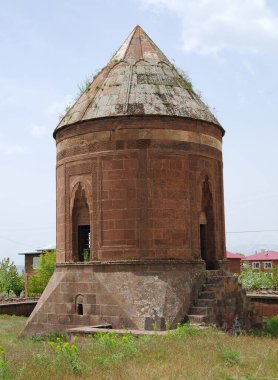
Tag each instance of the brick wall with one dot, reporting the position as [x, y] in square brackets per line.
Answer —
[266, 305]
[128, 295]
[234, 265]
[144, 195]
[142, 180]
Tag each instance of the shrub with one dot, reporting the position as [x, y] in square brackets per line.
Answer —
[251, 280]
[185, 77]
[183, 330]
[272, 326]
[38, 282]
[35, 286]
[230, 357]
[86, 254]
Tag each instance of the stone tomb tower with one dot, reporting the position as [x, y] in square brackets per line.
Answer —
[140, 210]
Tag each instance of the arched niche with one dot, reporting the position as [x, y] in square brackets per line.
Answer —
[207, 226]
[80, 225]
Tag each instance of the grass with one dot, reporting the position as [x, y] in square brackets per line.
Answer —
[187, 353]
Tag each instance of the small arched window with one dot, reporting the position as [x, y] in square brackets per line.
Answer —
[79, 304]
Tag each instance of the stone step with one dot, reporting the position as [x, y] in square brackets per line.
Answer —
[208, 302]
[209, 287]
[214, 272]
[206, 295]
[197, 319]
[216, 279]
[200, 310]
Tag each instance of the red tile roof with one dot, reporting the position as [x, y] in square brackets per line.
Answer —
[263, 256]
[231, 255]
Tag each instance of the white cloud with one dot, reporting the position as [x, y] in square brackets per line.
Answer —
[6, 100]
[211, 26]
[12, 149]
[38, 130]
[249, 68]
[242, 100]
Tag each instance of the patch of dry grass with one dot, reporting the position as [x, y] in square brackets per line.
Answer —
[208, 354]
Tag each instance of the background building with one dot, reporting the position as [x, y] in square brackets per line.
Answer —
[234, 261]
[31, 259]
[263, 261]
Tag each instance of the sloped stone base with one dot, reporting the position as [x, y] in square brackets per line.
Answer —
[132, 294]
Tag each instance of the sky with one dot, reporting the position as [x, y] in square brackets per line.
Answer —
[229, 48]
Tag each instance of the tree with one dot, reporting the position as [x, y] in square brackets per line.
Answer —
[10, 279]
[4, 264]
[15, 281]
[39, 280]
[275, 277]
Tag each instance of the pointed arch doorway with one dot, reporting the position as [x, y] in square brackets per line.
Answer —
[207, 228]
[81, 231]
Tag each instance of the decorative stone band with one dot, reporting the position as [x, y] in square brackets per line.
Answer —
[130, 262]
[139, 134]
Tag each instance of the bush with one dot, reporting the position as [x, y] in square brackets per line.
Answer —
[251, 280]
[272, 326]
[37, 283]
[10, 279]
[35, 286]
[230, 357]
[184, 330]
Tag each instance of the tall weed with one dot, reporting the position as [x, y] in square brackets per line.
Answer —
[5, 373]
[109, 348]
[68, 353]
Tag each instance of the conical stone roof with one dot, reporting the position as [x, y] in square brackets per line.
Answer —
[138, 80]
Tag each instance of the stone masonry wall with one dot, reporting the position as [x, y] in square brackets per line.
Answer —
[232, 302]
[266, 305]
[131, 295]
[143, 184]
[142, 181]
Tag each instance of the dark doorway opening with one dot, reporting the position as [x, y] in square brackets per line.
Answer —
[203, 241]
[83, 243]
[80, 227]
[207, 230]
[80, 309]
